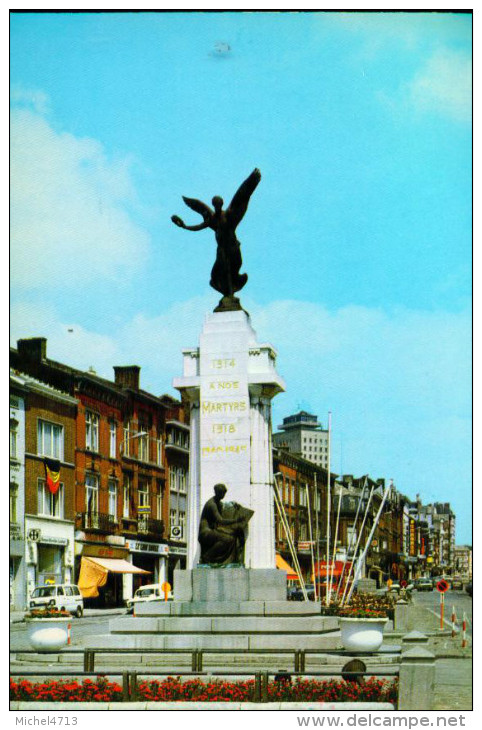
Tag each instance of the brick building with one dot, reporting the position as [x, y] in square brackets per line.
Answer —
[122, 471]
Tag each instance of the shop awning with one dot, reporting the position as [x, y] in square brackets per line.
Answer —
[93, 573]
[281, 564]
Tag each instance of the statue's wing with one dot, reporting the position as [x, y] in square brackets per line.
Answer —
[239, 204]
[199, 207]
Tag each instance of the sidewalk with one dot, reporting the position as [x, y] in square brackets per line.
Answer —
[17, 617]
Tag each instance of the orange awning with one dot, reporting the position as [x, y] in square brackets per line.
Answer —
[281, 564]
[93, 573]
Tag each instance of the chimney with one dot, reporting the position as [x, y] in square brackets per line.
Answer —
[127, 376]
[34, 348]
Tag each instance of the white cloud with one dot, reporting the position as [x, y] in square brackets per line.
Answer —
[444, 85]
[69, 204]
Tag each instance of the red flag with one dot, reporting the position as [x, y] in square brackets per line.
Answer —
[52, 474]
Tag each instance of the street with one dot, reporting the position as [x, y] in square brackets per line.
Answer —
[85, 626]
[460, 599]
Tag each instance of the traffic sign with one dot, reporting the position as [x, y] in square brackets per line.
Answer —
[403, 584]
[442, 586]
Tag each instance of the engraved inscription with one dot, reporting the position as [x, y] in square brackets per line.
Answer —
[221, 428]
[209, 406]
[222, 363]
[224, 385]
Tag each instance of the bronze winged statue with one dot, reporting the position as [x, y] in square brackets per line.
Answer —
[225, 276]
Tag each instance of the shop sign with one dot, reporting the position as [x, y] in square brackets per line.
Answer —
[177, 550]
[53, 540]
[104, 551]
[34, 535]
[304, 546]
[147, 547]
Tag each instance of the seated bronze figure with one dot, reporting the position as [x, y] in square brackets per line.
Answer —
[222, 530]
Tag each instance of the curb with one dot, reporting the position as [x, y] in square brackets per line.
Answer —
[206, 706]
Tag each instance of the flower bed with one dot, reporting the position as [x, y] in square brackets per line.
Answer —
[173, 689]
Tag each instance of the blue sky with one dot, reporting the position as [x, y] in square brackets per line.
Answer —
[357, 241]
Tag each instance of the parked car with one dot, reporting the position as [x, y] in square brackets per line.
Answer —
[468, 588]
[297, 593]
[67, 597]
[424, 584]
[457, 584]
[150, 592]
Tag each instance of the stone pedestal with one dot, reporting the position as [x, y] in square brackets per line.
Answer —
[229, 382]
[230, 584]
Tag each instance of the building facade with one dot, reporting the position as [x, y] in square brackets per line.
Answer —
[121, 472]
[18, 393]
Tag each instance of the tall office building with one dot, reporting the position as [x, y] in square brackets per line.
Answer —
[302, 434]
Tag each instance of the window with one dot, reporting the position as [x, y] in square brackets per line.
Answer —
[143, 491]
[112, 499]
[159, 501]
[91, 431]
[13, 502]
[143, 444]
[13, 438]
[126, 442]
[182, 479]
[172, 518]
[51, 505]
[112, 439]
[159, 452]
[50, 440]
[91, 493]
[127, 495]
[172, 478]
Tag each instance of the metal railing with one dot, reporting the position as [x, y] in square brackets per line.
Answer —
[98, 521]
[149, 526]
[197, 656]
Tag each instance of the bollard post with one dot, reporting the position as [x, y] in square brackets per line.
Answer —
[416, 680]
[442, 606]
[454, 618]
[125, 686]
[400, 616]
[69, 638]
[464, 632]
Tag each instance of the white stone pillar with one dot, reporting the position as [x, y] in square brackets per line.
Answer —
[229, 382]
[194, 483]
[260, 546]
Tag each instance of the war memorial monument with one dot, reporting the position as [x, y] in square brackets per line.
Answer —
[231, 596]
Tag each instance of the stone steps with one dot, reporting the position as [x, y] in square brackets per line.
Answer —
[252, 625]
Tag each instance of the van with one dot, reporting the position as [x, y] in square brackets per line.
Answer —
[64, 596]
[150, 592]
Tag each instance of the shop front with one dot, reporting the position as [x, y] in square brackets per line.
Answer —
[103, 571]
[49, 553]
[149, 556]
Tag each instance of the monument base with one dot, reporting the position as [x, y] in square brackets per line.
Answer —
[230, 584]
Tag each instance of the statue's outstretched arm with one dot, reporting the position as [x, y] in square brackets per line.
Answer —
[239, 204]
[179, 222]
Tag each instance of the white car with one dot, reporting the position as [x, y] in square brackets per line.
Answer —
[151, 592]
[66, 597]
